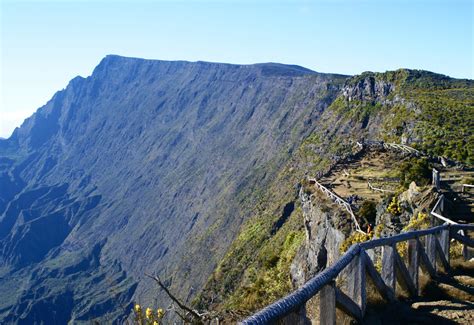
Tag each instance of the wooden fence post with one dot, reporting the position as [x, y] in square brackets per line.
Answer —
[436, 179]
[413, 262]
[327, 305]
[403, 274]
[431, 250]
[356, 281]
[465, 248]
[386, 292]
[388, 267]
[444, 246]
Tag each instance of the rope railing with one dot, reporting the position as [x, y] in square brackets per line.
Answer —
[340, 201]
[357, 264]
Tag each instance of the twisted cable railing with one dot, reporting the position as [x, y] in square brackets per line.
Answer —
[435, 251]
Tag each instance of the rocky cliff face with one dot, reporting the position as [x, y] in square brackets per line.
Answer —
[145, 166]
[153, 166]
[368, 89]
[326, 227]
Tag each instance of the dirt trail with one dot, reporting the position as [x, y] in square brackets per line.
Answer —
[352, 178]
[445, 300]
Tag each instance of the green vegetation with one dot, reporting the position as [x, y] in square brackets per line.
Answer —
[256, 269]
[418, 222]
[354, 238]
[446, 123]
[441, 111]
[394, 207]
[415, 170]
[433, 112]
[269, 279]
[368, 211]
[356, 111]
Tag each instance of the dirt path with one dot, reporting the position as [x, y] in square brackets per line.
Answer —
[351, 178]
[446, 300]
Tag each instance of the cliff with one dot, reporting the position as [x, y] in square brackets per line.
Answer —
[191, 171]
[145, 166]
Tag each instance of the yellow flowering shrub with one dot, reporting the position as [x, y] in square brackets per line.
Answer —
[355, 237]
[418, 222]
[394, 207]
[149, 316]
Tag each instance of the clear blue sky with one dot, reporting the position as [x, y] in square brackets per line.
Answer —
[44, 44]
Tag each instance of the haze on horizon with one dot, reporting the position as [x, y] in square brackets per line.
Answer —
[44, 44]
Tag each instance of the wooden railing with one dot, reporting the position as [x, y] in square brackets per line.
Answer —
[426, 249]
[465, 186]
[438, 210]
[376, 189]
[401, 147]
[389, 146]
[338, 200]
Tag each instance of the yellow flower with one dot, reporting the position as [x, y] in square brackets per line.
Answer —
[137, 308]
[148, 313]
[160, 313]
[155, 323]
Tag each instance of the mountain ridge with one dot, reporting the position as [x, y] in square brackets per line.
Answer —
[140, 149]
[154, 166]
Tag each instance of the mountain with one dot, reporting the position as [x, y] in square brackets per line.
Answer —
[145, 166]
[428, 111]
[190, 171]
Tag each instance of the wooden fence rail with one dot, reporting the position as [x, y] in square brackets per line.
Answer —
[377, 189]
[438, 210]
[401, 147]
[426, 249]
[340, 201]
[466, 186]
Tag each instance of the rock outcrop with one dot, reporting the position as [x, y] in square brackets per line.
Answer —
[368, 89]
[326, 227]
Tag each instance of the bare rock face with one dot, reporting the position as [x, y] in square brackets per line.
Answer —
[145, 166]
[412, 201]
[368, 89]
[325, 231]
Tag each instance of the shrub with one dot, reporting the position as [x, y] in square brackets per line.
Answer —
[148, 316]
[394, 207]
[354, 238]
[418, 222]
[368, 211]
[415, 170]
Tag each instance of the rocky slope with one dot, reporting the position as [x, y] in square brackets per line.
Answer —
[191, 171]
[145, 166]
[431, 112]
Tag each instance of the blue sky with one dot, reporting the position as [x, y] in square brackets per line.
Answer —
[44, 44]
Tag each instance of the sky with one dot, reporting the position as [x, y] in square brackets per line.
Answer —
[44, 44]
